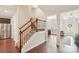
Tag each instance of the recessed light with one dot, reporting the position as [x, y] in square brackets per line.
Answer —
[5, 11]
[51, 17]
[34, 6]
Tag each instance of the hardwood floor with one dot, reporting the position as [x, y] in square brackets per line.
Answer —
[7, 46]
[39, 49]
[46, 47]
[50, 46]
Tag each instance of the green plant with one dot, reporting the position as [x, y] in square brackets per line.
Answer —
[77, 35]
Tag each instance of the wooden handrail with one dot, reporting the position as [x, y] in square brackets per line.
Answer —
[28, 27]
[30, 21]
[41, 20]
[24, 24]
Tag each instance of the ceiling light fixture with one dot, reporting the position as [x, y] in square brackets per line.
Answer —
[51, 17]
[34, 6]
[5, 11]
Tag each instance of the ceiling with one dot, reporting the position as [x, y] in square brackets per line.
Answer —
[54, 9]
[47, 9]
[7, 11]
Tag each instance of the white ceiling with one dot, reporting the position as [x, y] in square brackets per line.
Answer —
[7, 11]
[47, 9]
[54, 9]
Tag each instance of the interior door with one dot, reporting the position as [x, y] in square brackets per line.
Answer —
[5, 28]
[52, 25]
[5, 31]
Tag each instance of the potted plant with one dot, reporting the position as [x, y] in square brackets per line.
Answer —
[77, 40]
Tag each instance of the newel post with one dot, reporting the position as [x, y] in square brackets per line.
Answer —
[36, 24]
[20, 41]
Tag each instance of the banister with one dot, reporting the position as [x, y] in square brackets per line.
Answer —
[28, 26]
[24, 24]
[23, 31]
[41, 20]
[20, 42]
[32, 23]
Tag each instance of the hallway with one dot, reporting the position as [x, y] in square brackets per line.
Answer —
[7, 46]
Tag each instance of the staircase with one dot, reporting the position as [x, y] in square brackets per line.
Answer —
[26, 31]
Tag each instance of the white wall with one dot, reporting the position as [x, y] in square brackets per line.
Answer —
[14, 24]
[37, 12]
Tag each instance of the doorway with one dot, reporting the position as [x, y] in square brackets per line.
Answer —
[5, 28]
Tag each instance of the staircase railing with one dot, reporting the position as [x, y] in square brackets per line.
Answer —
[27, 29]
[42, 24]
